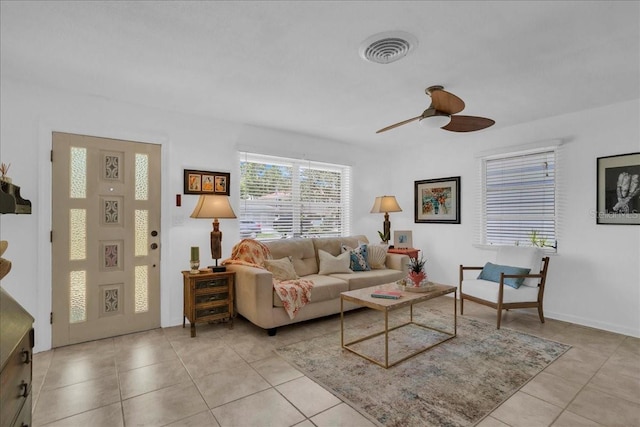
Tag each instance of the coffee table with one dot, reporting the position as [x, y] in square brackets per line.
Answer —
[408, 299]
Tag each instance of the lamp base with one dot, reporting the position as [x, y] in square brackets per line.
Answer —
[217, 268]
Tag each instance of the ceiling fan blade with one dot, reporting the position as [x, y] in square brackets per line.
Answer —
[446, 102]
[399, 124]
[467, 123]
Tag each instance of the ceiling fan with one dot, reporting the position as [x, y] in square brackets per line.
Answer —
[441, 113]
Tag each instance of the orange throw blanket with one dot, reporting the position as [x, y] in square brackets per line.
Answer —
[294, 294]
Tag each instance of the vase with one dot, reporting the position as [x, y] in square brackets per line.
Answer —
[417, 278]
[195, 265]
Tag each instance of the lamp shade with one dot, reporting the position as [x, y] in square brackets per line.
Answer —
[210, 206]
[384, 204]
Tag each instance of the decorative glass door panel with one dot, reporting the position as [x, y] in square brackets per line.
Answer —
[106, 225]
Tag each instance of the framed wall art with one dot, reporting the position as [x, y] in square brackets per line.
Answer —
[402, 239]
[437, 200]
[618, 198]
[204, 182]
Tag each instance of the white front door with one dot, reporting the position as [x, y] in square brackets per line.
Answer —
[106, 237]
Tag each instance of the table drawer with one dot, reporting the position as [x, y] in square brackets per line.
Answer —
[217, 311]
[211, 283]
[208, 298]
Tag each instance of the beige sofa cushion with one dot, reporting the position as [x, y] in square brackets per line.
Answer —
[301, 251]
[364, 279]
[282, 269]
[325, 288]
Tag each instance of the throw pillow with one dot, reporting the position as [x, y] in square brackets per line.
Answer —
[334, 264]
[492, 272]
[282, 269]
[377, 256]
[359, 257]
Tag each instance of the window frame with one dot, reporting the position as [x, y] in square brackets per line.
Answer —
[482, 239]
[296, 207]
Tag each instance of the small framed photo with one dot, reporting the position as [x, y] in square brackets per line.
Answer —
[437, 200]
[402, 239]
[205, 182]
[618, 187]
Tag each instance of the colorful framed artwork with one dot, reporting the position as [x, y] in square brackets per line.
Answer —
[437, 200]
[204, 182]
[402, 239]
[618, 197]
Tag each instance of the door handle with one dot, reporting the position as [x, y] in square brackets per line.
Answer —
[154, 246]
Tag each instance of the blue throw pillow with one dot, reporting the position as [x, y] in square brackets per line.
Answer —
[359, 258]
[492, 272]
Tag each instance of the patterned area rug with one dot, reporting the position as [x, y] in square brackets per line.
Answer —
[456, 383]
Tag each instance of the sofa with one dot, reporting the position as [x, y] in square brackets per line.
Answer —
[254, 289]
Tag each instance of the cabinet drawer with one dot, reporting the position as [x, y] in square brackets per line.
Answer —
[217, 312]
[211, 283]
[15, 381]
[212, 297]
[24, 417]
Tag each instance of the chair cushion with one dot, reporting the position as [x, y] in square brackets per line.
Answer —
[334, 264]
[492, 273]
[522, 256]
[488, 291]
[282, 269]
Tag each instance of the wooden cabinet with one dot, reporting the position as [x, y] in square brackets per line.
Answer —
[208, 297]
[16, 360]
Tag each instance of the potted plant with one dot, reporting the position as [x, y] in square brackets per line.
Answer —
[384, 238]
[416, 270]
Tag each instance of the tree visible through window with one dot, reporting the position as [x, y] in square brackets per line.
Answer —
[283, 197]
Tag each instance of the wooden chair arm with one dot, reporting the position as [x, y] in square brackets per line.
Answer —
[464, 267]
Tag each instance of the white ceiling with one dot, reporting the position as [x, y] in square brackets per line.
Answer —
[295, 65]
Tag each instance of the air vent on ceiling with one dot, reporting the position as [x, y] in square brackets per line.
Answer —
[387, 47]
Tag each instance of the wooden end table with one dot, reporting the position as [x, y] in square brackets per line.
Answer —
[208, 297]
[411, 252]
[408, 299]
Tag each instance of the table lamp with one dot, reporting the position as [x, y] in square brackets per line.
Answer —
[386, 204]
[212, 206]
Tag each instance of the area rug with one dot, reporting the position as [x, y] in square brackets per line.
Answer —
[456, 383]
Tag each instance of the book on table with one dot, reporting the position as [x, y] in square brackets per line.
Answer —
[380, 293]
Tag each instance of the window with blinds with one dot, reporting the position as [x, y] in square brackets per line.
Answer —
[519, 199]
[282, 197]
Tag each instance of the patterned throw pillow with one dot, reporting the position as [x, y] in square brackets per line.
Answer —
[282, 269]
[334, 264]
[377, 256]
[359, 257]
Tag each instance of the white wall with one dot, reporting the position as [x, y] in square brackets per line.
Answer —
[594, 279]
[29, 114]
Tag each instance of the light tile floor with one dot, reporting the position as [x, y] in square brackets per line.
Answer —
[233, 377]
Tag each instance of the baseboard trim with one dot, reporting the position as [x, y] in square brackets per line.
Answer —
[591, 323]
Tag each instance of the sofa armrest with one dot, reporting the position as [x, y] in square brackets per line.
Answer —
[398, 262]
[253, 293]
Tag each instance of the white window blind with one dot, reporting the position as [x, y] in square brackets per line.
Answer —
[519, 199]
[284, 197]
